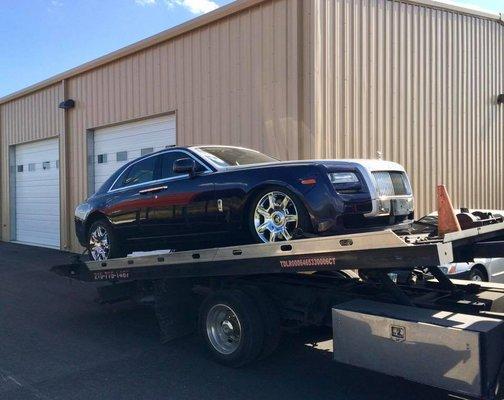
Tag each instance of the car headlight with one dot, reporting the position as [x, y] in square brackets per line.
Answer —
[82, 211]
[342, 177]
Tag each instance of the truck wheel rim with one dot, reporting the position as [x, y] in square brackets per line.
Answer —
[275, 217]
[223, 329]
[99, 244]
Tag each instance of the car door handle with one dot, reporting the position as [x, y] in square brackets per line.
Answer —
[153, 190]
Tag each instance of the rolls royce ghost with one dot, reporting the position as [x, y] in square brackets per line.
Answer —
[201, 196]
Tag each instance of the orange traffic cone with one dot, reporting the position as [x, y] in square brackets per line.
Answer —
[447, 220]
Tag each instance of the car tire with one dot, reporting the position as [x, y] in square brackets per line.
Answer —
[295, 206]
[100, 228]
[230, 323]
[477, 275]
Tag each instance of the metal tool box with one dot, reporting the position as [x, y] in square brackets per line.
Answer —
[456, 352]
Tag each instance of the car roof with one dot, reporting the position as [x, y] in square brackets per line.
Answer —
[174, 147]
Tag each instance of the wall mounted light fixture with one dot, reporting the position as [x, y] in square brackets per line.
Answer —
[67, 104]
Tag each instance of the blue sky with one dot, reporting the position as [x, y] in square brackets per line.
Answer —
[41, 38]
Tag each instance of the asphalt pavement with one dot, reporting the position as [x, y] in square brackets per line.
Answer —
[56, 342]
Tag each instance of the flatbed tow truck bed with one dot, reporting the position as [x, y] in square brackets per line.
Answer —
[241, 298]
[374, 250]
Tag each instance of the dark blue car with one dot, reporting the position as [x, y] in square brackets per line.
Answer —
[192, 197]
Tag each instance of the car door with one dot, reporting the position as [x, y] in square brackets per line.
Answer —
[126, 198]
[182, 206]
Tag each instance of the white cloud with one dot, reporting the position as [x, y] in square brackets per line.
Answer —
[194, 6]
[145, 2]
[54, 5]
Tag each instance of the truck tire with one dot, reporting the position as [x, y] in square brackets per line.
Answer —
[271, 320]
[232, 328]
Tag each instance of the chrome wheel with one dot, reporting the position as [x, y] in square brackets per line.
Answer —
[476, 278]
[99, 244]
[223, 329]
[275, 217]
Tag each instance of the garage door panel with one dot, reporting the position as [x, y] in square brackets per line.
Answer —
[39, 183]
[45, 240]
[26, 201]
[109, 141]
[36, 231]
[155, 133]
[35, 151]
[142, 126]
[37, 210]
[137, 143]
[109, 136]
[39, 233]
[28, 190]
[43, 214]
[39, 236]
[45, 191]
[49, 227]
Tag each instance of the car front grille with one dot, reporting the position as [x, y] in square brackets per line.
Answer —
[391, 183]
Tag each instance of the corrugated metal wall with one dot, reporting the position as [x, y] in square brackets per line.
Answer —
[418, 84]
[32, 117]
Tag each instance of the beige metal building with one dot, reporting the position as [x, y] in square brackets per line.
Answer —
[416, 80]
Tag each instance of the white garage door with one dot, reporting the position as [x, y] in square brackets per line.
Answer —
[119, 144]
[37, 205]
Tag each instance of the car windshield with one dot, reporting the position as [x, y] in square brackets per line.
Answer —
[229, 156]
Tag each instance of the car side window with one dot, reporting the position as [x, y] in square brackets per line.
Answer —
[138, 173]
[167, 160]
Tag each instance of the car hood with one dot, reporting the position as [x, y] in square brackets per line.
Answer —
[370, 165]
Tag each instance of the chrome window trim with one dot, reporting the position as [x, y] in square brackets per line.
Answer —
[184, 176]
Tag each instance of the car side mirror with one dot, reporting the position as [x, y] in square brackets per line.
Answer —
[185, 166]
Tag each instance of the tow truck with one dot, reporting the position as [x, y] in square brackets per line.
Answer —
[426, 328]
